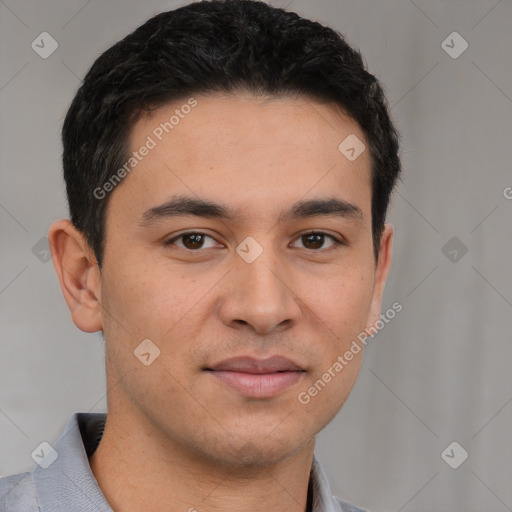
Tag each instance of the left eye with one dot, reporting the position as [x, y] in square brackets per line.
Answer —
[317, 238]
[195, 240]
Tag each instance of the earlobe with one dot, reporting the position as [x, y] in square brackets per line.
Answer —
[78, 274]
[381, 273]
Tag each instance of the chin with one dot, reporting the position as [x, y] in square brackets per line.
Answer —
[254, 454]
[238, 452]
[256, 450]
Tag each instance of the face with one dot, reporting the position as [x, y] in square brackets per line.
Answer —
[244, 278]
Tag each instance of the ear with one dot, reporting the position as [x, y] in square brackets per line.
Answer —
[78, 274]
[381, 273]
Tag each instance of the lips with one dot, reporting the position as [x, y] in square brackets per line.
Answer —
[257, 378]
[257, 366]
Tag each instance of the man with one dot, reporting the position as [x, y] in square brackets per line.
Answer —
[228, 168]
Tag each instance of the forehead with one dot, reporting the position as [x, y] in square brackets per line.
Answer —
[250, 151]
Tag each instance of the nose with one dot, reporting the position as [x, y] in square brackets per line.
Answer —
[260, 294]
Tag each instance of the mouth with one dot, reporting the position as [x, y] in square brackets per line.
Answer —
[257, 378]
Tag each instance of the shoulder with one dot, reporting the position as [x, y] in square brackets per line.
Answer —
[345, 506]
[18, 493]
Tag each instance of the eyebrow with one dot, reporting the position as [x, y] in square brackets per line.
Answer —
[183, 205]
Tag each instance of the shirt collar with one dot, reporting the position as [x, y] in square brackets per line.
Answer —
[69, 483]
[323, 500]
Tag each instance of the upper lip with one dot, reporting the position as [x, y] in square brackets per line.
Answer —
[247, 364]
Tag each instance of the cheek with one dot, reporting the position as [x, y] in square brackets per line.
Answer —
[156, 302]
[144, 294]
[325, 392]
[342, 307]
[145, 304]
[341, 300]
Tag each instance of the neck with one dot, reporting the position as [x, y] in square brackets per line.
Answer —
[137, 468]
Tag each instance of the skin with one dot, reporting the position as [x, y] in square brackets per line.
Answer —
[177, 438]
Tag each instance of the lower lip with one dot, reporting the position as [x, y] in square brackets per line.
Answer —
[258, 385]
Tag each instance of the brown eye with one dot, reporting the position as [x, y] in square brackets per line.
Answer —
[316, 239]
[191, 241]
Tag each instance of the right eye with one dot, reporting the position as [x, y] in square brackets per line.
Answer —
[192, 241]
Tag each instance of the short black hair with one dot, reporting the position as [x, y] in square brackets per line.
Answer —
[203, 48]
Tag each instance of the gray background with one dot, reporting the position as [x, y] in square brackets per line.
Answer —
[439, 372]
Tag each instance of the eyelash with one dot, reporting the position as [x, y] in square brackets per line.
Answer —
[333, 238]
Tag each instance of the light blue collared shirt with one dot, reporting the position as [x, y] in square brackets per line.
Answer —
[67, 484]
